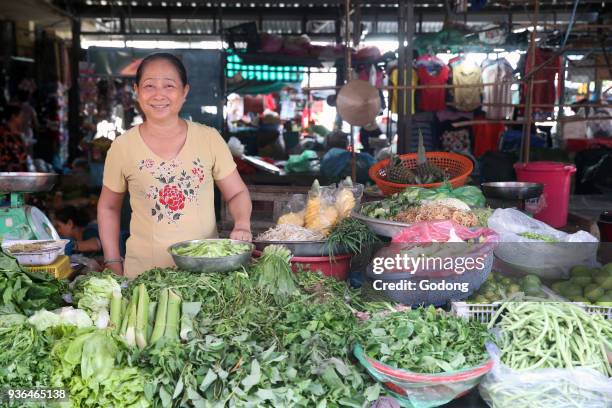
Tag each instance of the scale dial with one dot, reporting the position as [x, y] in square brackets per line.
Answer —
[41, 227]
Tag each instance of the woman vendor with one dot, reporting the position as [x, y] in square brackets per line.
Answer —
[168, 165]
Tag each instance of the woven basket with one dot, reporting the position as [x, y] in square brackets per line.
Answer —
[457, 166]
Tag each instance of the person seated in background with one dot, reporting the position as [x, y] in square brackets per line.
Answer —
[74, 224]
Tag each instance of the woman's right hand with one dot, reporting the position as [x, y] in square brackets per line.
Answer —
[117, 268]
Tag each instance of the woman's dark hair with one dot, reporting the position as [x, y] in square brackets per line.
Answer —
[78, 216]
[166, 56]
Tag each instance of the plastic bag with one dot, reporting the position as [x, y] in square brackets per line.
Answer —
[337, 164]
[347, 197]
[303, 163]
[434, 240]
[440, 231]
[416, 390]
[90, 263]
[235, 146]
[551, 260]
[503, 387]
[320, 214]
[293, 211]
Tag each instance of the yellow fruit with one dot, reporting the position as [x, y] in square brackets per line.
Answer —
[325, 221]
[345, 202]
[313, 206]
[292, 218]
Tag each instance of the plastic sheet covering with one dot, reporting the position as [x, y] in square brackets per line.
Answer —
[551, 260]
[503, 387]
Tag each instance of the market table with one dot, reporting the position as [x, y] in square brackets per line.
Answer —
[285, 179]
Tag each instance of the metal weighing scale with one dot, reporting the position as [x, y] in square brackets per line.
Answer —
[20, 221]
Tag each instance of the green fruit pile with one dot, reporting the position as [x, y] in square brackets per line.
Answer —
[498, 287]
[587, 285]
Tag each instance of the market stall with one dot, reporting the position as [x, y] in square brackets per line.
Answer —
[313, 217]
[276, 324]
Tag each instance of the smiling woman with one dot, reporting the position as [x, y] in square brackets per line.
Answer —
[169, 166]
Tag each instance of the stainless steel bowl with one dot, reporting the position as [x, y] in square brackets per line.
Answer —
[512, 190]
[211, 265]
[383, 228]
[27, 182]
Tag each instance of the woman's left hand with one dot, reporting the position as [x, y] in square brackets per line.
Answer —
[241, 234]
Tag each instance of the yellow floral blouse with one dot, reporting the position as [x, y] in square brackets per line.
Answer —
[172, 200]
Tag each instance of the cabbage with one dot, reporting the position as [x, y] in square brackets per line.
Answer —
[76, 317]
[86, 365]
[43, 319]
[94, 295]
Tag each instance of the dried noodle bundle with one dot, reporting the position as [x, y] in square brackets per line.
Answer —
[436, 212]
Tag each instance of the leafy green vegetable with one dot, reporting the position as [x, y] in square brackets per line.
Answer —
[189, 286]
[424, 340]
[26, 292]
[24, 357]
[411, 196]
[211, 249]
[352, 234]
[43, 319]
[273, 273]
[93, 294]
[251, 351]
[87, 365]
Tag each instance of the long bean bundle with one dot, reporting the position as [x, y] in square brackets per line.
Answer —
[552, 335]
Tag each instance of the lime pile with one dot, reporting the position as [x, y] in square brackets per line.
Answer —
[499, 287]
[588, 285]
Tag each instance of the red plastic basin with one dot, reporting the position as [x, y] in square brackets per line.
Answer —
[337, 268]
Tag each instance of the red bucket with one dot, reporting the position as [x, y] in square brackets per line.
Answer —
[337, 267]
[556, 178]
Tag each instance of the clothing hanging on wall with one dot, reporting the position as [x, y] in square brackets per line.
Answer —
[467, 73]
[394, 81]
[486, 137]
[543, 93]
[456, 139]
[431, 71]
[499, 71]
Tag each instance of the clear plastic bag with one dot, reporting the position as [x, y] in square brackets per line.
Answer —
[235, 146]
[293, 211]
[503, 387]
[522, 245]
[414, 390]
[320, 214]
[347, 196]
